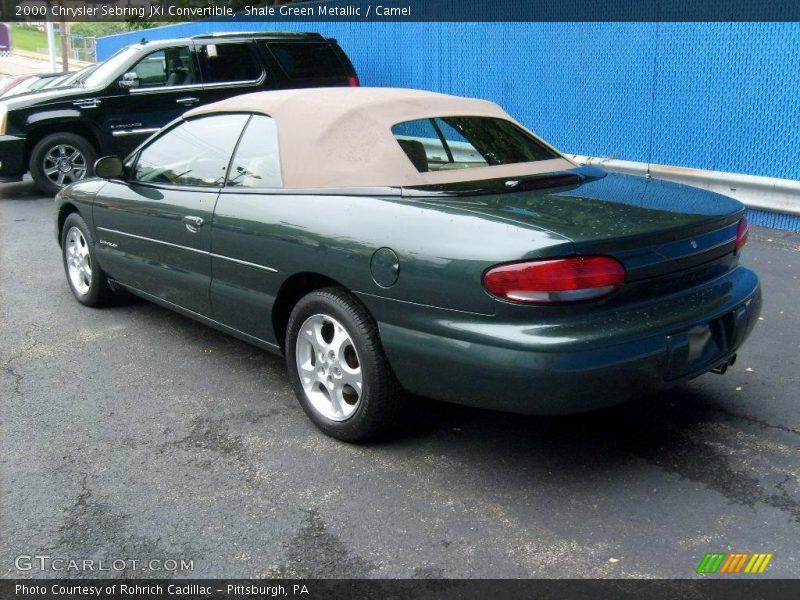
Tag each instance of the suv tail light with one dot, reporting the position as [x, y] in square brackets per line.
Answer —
[352, 81]
[556, 280]
[741, 233]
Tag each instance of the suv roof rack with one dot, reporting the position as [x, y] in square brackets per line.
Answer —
[263, 34]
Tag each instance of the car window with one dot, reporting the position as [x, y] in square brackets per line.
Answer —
[231, 62]
[166, 67]
[78, 76]
[421, 143]
[196, 152]
[307, 60]
[465, 142]
[104, 72]
[461, 149]
[21, 88]
[46, 82]
[256, 163]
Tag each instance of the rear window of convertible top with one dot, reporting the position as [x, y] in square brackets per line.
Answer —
[442, 143]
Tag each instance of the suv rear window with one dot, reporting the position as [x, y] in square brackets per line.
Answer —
[307, 60]
[229, 62]
[444, 143]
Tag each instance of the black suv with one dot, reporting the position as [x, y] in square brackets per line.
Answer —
[57, 134]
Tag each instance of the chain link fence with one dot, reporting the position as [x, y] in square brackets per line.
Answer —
[82, 48]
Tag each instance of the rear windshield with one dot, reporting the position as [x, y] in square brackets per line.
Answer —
[443, 143]
[307, 60]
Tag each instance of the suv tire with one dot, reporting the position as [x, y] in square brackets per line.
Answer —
[59, 159]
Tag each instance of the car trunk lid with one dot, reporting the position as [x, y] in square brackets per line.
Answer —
[653, 227]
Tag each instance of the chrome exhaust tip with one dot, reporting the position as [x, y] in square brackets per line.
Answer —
[722, 368]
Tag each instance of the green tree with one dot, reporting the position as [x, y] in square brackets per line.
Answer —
[98, 29]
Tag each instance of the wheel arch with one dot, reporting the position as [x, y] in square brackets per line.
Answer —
[291, 291]
[64, 211]
[45, 128]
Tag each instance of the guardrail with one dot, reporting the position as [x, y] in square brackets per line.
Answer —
[761, 193]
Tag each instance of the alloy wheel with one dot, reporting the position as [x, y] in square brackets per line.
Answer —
[329, 367]
[63, 164]
[79, 261]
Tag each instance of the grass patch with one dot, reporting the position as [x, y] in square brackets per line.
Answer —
[29, 39]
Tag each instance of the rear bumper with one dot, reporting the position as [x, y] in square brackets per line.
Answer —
[568, 367]
[12, 158]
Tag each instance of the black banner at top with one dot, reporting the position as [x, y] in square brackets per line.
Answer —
[276, 11]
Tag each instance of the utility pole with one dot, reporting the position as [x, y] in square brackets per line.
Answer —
[51, 45]
[64, 48]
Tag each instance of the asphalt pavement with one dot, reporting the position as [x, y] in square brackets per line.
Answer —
[131, 433]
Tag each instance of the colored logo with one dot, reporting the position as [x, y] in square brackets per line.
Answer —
[735, 562]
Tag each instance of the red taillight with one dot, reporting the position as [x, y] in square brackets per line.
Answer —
[741, 233]
[557, 280]
[352, 81]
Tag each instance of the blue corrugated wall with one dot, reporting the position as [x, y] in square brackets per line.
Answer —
[720, 96]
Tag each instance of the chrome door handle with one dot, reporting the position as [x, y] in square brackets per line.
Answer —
[87, 103]
[193, 224]
[188, 101]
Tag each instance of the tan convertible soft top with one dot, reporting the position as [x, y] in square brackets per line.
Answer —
[342, 137]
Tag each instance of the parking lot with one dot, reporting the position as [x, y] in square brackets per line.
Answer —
[134, 433]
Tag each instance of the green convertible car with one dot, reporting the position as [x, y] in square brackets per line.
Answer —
[389, 241]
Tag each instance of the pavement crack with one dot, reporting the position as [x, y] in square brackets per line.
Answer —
[95, 527]
[756, 421]
[16, 377]
[701, 462]
[11, 370]
[315, 552]
[210, 436]
[784, 501]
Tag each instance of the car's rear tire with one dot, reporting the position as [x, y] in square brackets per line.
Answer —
[338, 369]
[84, 276]
[60, 159]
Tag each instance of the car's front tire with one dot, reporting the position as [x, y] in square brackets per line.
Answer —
[85, 277]
[60, 159]
[338, 369]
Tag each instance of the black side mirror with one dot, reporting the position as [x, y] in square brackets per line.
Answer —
[108, 167]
